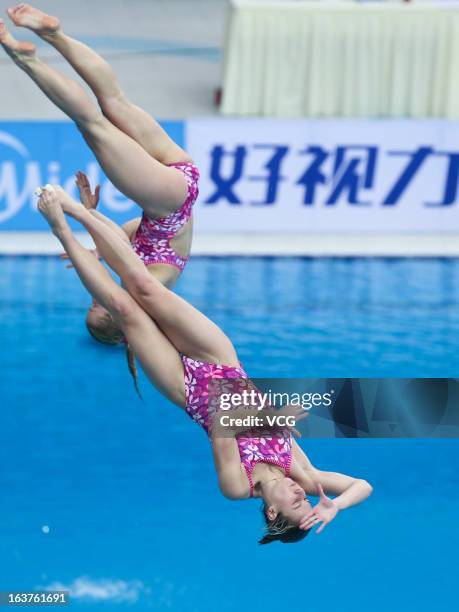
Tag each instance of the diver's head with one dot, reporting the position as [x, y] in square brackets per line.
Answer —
[101, 325]
[285, 504]
[103, 328]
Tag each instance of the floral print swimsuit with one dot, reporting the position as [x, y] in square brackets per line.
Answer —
[276, 450]
[152, 238]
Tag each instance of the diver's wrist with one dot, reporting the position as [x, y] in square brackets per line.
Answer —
[337, 503]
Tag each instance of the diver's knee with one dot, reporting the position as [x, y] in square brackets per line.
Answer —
[113, 104]
[92, 127]
[142, 285]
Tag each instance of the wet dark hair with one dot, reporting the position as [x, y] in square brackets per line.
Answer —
[281, 530]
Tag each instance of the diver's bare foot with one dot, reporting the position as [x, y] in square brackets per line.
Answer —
[48, 206]
[27, 16]
[16, 49]
[67, 203]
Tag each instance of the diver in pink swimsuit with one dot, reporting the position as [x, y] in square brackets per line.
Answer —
[152, 239]
[275, 450]
[182, 352]
[133, 150]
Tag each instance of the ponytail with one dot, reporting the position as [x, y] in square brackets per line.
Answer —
[133, 369]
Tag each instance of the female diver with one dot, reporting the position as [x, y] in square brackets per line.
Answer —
[189, 352]
[134, 151]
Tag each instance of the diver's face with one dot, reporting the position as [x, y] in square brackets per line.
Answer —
[289, 499]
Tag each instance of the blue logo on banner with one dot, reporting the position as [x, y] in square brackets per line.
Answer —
[36, 153]
[346, 172]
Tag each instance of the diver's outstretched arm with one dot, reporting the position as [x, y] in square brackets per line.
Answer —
[163, 365]
[334, 483]
[92, 273]
[190, 331]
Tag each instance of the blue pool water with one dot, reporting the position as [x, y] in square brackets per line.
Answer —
[128, 491]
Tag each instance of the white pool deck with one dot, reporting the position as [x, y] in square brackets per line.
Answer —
[166, 54]
[279, 245]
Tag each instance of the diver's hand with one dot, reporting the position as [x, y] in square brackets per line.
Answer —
[87, 198]
[323, 512]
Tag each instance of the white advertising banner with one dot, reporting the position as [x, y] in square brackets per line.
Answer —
[337, 176]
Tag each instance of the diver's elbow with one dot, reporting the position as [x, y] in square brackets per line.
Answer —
[366, 486]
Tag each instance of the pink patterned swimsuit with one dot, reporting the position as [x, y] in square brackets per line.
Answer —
[276, 450]
[152, 238]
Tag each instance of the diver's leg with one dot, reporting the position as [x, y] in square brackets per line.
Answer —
[159, 190]
[100, 77]
[190, 331]
[158, 357]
